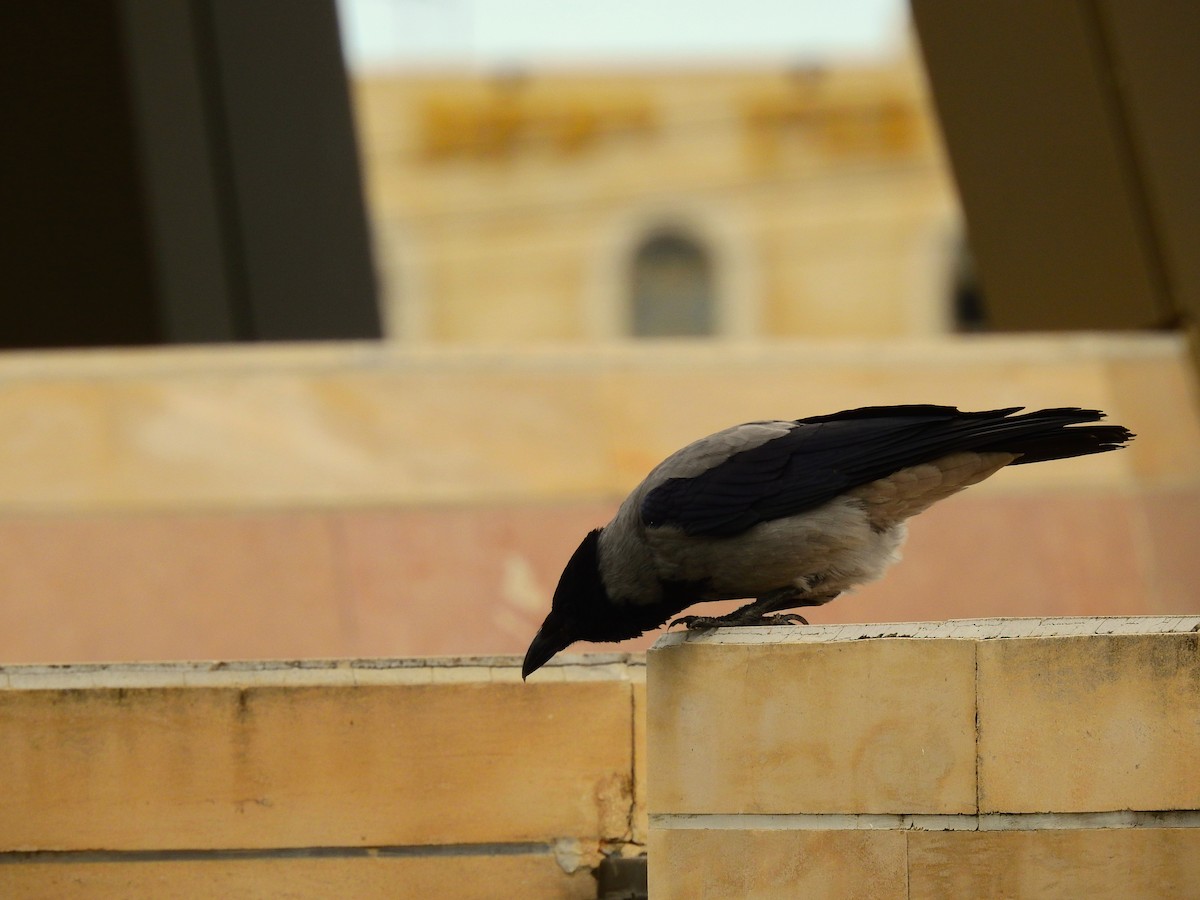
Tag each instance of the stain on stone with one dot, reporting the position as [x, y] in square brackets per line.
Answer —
[243, 703]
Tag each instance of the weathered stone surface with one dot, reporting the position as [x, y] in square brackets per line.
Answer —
[1055, 864]
[870, 726]
[1086, 742]
[334, 764]
[1082, 724]
[696, 864]
[385, 878]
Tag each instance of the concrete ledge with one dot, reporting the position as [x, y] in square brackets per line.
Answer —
[1004, 756]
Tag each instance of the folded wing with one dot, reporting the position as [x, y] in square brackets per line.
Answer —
[822, 457]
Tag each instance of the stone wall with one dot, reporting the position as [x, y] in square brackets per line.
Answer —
[1013, 757]
[1048, 758]
[386, 778]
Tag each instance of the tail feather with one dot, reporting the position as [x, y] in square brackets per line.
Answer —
[1046, 434]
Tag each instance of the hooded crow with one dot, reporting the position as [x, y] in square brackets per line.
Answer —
[789, 513]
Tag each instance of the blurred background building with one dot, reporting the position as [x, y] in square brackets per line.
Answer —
[308, 360]
[735, 202]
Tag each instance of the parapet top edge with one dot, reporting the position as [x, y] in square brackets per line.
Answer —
[628, 667]
[953, 629]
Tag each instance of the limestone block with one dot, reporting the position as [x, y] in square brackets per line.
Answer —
[1055, 864]
[720, 864]
[384, 877]
[1085, 742]
[857, 726]
[330, 764]
[1088, 724]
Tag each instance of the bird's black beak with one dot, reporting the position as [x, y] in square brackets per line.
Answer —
[548, 641]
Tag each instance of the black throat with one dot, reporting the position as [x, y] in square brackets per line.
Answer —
[625, 619]
[595, 615]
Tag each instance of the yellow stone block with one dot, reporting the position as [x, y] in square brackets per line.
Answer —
[860, 726]
[1055, 864]
[723, 864]
[537, 877]
[1089, 724]
[319, 765]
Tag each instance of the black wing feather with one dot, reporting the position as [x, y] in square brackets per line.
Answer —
[824, 456]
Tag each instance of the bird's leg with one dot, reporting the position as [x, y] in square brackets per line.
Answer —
[756, 612]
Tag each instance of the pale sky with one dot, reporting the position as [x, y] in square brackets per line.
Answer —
[491, 33]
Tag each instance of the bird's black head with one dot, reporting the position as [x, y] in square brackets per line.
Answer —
[580, 602]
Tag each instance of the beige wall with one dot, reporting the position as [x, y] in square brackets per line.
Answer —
[997, 758]
[509, 209]
[365, 425]
[387, 779]
[1049, 758]
[363, 501]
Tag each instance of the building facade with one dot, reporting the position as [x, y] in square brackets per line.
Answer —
[566, 207]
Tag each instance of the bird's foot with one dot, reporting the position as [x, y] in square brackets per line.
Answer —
[784, 619]
[737, 619]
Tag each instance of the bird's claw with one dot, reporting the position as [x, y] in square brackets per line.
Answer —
[785, 619]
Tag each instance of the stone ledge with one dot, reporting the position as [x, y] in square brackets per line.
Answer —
[1061, 749]
[280, 756]
[566, 667]
[953, 629]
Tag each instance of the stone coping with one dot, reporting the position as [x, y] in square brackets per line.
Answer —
[319, 672]
[954, 629]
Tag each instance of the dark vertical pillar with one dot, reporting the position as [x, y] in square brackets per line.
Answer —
[74, 266]
[179, 171]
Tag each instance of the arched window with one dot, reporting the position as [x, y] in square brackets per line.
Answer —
[672, 287]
